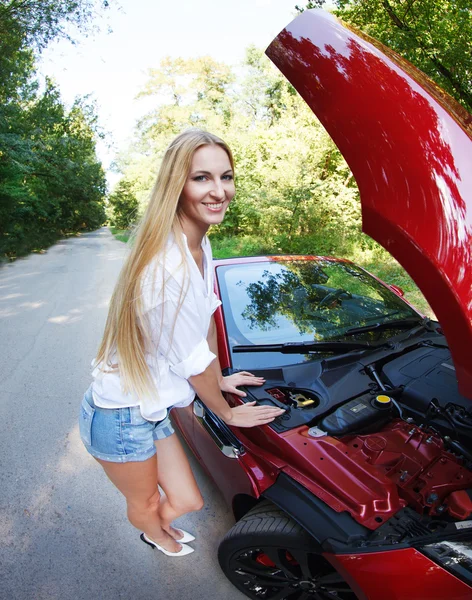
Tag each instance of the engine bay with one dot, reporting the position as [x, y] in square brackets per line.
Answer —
[399, 412]
[429, 478]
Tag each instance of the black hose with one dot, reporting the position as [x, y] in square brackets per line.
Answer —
[459, 448]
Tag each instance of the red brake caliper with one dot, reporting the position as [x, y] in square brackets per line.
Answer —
[263, 559]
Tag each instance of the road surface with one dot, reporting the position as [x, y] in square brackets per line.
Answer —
[63, 529]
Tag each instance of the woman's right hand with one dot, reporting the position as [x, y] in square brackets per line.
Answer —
[249, 415]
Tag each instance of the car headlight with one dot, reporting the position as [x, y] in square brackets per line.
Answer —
[456, 557]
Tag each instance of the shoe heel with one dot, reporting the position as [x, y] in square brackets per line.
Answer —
[146, 542]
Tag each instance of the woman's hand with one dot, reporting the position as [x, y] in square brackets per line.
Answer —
[230, 383]
[209, 387]
[248, 415]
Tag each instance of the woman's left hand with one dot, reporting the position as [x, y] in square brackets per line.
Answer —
[230, 383]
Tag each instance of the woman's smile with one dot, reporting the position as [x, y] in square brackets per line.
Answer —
[214, 207]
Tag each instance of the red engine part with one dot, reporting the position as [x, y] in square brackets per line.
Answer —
[427, 476]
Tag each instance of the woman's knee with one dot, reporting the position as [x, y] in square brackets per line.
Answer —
[193, 504]
[145, 504]
[198, 504]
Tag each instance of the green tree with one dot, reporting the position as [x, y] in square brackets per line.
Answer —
[51, 182]
[294, 190]
[27, 26]
[124, 205]
[34, 23]
[434, 35]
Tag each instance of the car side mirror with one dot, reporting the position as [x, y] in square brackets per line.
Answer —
[397, 290]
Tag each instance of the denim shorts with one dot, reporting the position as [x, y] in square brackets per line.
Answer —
[119, 434]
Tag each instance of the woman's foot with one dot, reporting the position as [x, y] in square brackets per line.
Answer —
[179, 534]
[166, 541]
[183, 551]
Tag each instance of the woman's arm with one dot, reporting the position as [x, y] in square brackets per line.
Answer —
[230, 382]
[212, 340]
[246, 415]
[188, 352]
[208, 386]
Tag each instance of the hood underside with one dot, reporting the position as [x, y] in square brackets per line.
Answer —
[409, 147]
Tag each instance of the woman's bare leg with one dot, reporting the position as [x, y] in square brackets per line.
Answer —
[178, 482]
[137, 481]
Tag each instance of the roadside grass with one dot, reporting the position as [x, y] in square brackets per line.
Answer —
[242, 245]
[122, 235]
[386, 268]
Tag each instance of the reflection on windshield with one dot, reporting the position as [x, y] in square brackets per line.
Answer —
[299, 300]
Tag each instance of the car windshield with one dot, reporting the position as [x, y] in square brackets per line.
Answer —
[300, 300]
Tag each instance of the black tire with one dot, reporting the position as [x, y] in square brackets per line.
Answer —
[268, 556]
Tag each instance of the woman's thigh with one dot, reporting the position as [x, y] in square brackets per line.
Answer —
[137, 481]
[175, 475]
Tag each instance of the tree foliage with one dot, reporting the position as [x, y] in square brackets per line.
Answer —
[434, 35]
[294, 190]
[51, 182]
[124, 205]
[34, 23]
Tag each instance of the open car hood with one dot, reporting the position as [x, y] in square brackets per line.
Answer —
[409, 147]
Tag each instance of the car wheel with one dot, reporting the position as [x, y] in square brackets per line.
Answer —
[268, 556]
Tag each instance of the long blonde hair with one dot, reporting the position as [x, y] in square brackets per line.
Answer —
[124, 331]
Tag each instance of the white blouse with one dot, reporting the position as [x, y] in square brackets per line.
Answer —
[176, 350]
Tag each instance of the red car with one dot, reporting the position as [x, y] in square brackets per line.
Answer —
[363, 488]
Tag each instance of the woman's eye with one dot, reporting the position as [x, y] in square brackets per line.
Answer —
[200, 178]
[227, 177]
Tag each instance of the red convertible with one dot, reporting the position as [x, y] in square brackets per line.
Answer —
[363, 487]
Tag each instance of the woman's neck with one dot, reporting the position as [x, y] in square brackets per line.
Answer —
[194, 235]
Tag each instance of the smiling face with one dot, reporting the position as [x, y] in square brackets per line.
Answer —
[208, 190]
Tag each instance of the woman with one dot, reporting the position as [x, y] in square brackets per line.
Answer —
[159, 346]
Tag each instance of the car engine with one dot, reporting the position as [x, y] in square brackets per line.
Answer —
[398, 414]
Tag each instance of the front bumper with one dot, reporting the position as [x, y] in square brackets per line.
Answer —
[398, 575]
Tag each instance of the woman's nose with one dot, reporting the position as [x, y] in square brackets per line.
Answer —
[217, 190]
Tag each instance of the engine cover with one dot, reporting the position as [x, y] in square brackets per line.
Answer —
[428, 477]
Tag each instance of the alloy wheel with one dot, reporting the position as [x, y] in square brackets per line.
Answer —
[277, 573]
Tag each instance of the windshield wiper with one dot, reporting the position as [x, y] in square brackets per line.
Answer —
[305, 347]
[402, 323]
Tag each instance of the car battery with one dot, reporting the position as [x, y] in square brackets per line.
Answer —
[360, 414]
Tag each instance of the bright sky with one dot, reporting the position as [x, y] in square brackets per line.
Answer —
[113, 66]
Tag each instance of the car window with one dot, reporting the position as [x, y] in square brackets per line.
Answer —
[301, 300]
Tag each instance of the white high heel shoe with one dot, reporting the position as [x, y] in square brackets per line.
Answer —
[182, 552]
[186, 536]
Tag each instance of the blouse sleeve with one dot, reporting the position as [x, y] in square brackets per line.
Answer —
[176, 329]
[215, 302]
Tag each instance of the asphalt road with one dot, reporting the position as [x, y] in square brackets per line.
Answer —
[63, 529]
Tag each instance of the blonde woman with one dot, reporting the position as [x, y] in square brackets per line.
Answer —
[159, 346]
